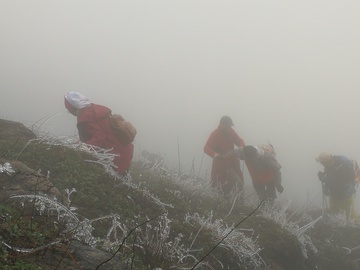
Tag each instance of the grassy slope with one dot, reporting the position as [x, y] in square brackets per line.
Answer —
[97, 196]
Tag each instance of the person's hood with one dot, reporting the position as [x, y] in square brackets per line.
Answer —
[93, 113]
[76, 100]
[325, 159]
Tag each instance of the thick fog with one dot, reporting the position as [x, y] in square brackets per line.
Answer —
[285, 71]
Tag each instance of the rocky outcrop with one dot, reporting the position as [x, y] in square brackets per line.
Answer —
[15, 131]
[25, 180]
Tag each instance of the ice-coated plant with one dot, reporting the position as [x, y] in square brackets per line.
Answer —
[150, 240]
[337, 220]
[154, 163]
[244, 248]
[71, 227]
[103, 157]
[189, 183]
[159, 248]
[195, 187]
[7, 169]
[279, 213]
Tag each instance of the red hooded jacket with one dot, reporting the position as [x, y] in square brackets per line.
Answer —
[222, 142]
[93, 124]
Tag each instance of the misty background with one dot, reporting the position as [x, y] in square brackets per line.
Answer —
[286, 72]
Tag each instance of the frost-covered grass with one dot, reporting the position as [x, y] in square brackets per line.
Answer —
[153, 217]
[281, 215]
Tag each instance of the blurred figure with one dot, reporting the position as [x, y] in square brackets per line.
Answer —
[338, 182]
[263, 168]
[225, 172]
[94, 128]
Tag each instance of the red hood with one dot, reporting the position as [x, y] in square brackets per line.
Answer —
[93, 112]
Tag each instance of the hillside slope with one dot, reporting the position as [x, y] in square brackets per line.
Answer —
[62, 207]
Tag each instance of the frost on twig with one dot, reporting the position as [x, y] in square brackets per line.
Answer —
[279, 214]
[29, 250]
[189, 185]
[72, 226]
[244, 248]
[337, 220]
[79, 229]
[152, 240]
[154, 165]
[6, 169]
[103, 157]
[155, 242]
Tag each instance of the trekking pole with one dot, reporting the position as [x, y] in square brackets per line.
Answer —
[323, 204]
[324, 201]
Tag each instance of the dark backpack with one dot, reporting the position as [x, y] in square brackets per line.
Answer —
[123, 129]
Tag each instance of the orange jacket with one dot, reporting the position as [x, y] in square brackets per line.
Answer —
[264, 170]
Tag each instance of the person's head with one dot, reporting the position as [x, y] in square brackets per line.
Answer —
[226, 123]
[74, 101]
[251, 152]
[325, 159]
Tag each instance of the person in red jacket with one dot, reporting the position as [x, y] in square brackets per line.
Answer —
[264, 170]
[93, 124]
[226, 173]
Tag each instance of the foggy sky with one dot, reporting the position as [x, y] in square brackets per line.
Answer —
[285, 71]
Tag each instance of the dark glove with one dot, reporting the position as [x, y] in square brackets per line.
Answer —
[279, 188]
[322, 176]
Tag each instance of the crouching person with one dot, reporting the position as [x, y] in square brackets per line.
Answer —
[338, 183]
[94, 128]
[264, 170]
